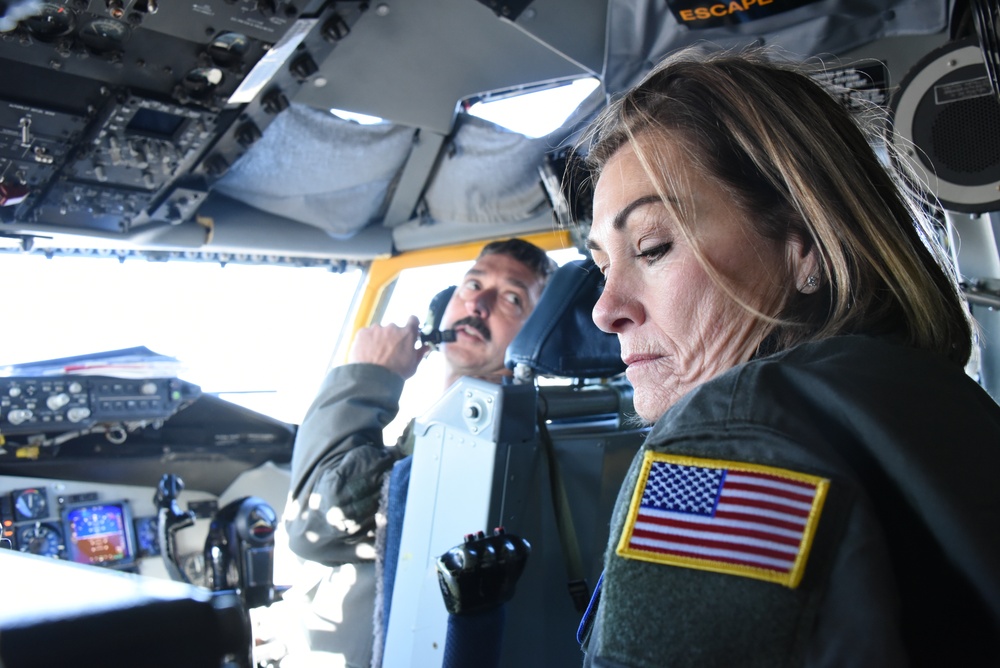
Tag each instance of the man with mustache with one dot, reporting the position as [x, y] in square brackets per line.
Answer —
[340, 464]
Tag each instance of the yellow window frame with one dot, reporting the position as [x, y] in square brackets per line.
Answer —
[382, 273]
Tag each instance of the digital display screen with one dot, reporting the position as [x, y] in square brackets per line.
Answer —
[100, 534]
[155, 123]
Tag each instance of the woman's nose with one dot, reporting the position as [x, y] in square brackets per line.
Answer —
[617, 308]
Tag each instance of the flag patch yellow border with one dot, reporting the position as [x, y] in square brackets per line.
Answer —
[727, 517]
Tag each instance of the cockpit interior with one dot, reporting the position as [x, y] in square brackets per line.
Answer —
[352, 138]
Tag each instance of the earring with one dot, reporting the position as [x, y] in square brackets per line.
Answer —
[809, 287]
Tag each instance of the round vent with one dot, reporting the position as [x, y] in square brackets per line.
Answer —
[946, 120]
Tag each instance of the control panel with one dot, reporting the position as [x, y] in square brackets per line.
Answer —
[116, 114]
[108, 526]
[130, 152]
[77, 527]
[63, 403]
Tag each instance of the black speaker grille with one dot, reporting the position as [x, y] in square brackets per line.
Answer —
[966, 135]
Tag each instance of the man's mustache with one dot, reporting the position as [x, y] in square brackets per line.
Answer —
[475, 323]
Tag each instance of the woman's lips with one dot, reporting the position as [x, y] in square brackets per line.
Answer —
[639, 360]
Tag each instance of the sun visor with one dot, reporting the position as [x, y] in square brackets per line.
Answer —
[321, 170]
[659, 27]
[490, 175]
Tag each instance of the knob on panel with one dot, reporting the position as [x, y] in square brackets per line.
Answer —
[19, 416]
[274, 101]
[57, 401]
[228, 48]
[201, 82]
[78, 414]
[248, 133]
[303, 67]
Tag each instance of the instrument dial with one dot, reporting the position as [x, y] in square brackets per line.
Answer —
[39, 538]
[104, 35]
[31, 503]
[50, 22]
[193, 566]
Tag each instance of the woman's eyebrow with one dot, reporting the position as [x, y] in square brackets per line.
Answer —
[621, 218]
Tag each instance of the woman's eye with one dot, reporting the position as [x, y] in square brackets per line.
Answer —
[653, 254]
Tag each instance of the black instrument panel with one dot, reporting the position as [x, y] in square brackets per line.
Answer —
[80, 527]
[32, 405]
[117, 114]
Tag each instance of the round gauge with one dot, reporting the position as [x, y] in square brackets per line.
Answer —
[43, 539]
[104, 35]
[193, 566]
[228, 48]
[31, 503]
[50, 22]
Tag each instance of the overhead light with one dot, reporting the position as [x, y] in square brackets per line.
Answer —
[363, 119]
[536, 113]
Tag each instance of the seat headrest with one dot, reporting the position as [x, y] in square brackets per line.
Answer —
[560, 337]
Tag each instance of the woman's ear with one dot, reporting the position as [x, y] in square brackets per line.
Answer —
[803, 262]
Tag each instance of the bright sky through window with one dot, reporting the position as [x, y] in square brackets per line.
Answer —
[538, 113]
[261, 336]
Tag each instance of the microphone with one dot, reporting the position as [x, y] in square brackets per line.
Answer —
[437, 336]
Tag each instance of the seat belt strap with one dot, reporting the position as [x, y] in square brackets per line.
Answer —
[579, 591]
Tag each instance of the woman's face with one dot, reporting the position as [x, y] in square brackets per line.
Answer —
[677, 326]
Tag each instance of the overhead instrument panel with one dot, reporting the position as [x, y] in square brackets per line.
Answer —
[30, 405]
[115, 114]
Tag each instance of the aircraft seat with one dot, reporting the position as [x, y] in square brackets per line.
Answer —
[560, 338]
[489, 456]
[561, 341]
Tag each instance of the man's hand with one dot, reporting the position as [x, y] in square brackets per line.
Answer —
[390, 346]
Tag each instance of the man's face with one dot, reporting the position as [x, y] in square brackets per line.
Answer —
[488, 309]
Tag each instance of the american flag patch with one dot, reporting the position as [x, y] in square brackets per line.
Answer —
[728, 517]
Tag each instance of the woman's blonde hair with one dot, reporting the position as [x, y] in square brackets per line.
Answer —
[791, 156]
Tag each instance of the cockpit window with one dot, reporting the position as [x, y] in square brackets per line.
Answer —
[261, 336]
[534, 113]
